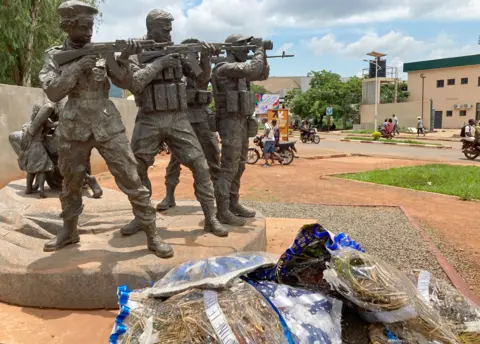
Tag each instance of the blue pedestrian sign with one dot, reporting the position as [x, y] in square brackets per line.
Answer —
[329, 111]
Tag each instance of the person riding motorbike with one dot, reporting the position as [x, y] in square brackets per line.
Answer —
[304, 129]
[470, 131]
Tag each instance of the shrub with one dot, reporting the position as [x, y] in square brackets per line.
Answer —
[376, 135]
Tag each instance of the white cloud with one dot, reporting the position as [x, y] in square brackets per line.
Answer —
[215, 19]
[399, 47]
[286, 47]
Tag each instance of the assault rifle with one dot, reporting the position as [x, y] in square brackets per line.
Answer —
[188, 51]
[108, 49]
[218, 59]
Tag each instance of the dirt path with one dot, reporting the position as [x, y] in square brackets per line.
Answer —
[448, 219]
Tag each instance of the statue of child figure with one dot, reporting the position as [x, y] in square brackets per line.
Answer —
[33, 157]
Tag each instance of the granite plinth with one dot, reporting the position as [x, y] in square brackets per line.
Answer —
[86, 275]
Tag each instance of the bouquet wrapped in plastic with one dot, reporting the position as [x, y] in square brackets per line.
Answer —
[310, 317]
[239, 315]
[462, 314]
[303, 263]
[212, 272]
[385, 295]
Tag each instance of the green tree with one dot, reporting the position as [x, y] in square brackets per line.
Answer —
[290, 96]
[258, 89]
[29, 27]
[328, 89]
[387, 93]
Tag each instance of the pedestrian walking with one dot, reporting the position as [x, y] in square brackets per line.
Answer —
[420, 128]
[396, 128]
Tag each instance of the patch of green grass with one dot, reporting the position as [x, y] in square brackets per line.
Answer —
[461, 181]
[413, 142]
[358, 131]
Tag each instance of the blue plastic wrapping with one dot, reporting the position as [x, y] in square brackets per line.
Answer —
[211, 273]
[311, 317]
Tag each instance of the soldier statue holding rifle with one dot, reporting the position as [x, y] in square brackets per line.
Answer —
[90, 120]
[198, 98]
[161, 96]
[235, 104]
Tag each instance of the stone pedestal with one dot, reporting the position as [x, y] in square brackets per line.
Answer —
[86, 275]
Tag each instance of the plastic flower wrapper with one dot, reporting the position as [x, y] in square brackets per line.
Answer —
[303, 263]
[211, 273]
[384, 294]
[311, 317]
[462, 314]
[239, 315]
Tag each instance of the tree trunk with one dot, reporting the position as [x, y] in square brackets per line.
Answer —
[28, 52]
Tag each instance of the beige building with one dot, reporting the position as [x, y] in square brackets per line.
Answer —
[282, 84]
[453, 85]
[451, 94]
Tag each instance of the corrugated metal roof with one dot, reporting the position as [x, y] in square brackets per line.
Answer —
[469, 60]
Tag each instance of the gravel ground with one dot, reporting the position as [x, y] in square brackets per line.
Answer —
[382, 231]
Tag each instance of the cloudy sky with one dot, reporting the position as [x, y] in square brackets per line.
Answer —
[323, 34]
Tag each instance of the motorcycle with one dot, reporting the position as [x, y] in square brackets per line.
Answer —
[385, 135]
[310, 136]
[286, 150]
[470, 150]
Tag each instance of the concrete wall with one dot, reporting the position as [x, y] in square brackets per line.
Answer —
[444, 98]
[407, 114]
[15, 108]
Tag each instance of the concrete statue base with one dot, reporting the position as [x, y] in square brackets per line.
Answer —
[86, 275]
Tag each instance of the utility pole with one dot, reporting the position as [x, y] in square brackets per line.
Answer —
[377, 57]
[423, 91]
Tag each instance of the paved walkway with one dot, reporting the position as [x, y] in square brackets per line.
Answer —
[448, 218]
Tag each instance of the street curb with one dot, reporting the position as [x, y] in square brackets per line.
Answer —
[452, 274]
[399, 144]
[445, 139]
[331, 156]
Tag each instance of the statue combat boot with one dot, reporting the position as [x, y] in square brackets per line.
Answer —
[132, 228]
[67, 236]
[225, 216]
[238, 209]
[169, 200]
[93, 184]
[155, 243]
[212, 225]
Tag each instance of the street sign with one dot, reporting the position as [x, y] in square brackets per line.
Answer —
[329, 111]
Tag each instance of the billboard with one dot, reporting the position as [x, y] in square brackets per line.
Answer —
[265, 102]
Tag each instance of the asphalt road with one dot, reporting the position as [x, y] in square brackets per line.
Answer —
[332, 144]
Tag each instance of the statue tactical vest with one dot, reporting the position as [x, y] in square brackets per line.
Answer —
[232, 99]
[166, 93]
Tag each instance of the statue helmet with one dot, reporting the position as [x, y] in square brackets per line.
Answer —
[235, 38]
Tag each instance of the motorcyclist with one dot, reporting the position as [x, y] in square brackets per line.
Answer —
[304, 129]
[470, 131]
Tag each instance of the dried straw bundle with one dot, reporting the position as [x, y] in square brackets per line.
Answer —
[377, 287]
[182, 318]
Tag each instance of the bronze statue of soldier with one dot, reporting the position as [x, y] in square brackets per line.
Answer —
[235, 105]
[161, 96]
[198, 99]
[91, 120]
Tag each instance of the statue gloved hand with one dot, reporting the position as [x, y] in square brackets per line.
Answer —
[132, 48]
[87, 62]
